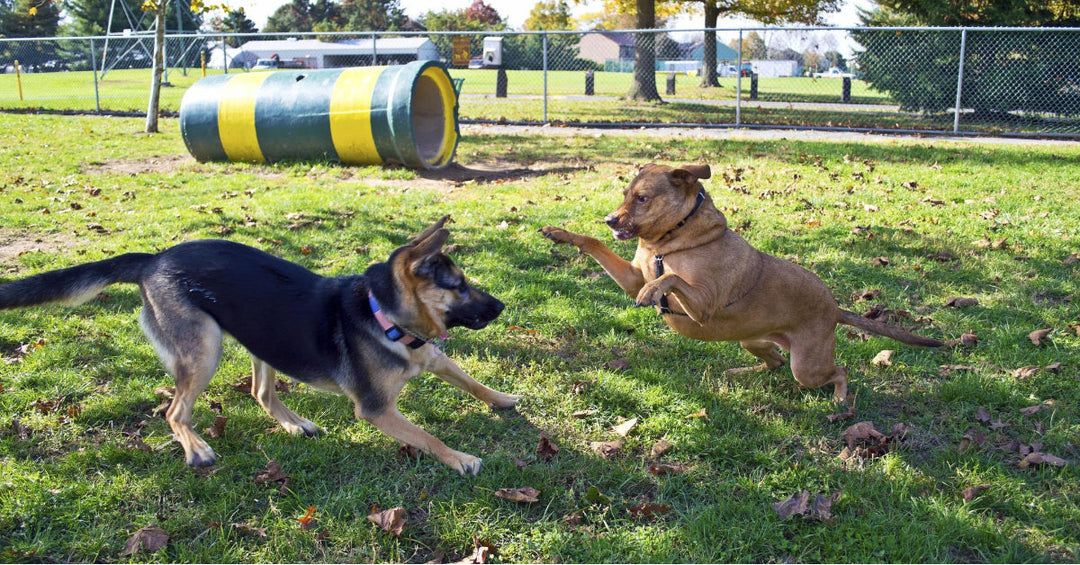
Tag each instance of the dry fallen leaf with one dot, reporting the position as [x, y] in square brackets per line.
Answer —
[796, 505]
[879, 261]
[583, 413]
[882, 359]
[972, 436]
[273, 474]
[961, 302]
[1024, 372]
[847, 414]
[624, 428]
[391, 521]
[147, 540]
[307, 521]
[699, 414]
[620, 364]
[967, 340]
[1037, 336]
[971, 492]
[1038, 458]
[659, 448]
[606, 449]
[545, 449]
[657, 468]
[649, 510]
[862, 432]
[821, 508]
[520, 494]
[218, 429]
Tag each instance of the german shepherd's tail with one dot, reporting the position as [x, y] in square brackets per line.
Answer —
[73, 285]
[882, 329]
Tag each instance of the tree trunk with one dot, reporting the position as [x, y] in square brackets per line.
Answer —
[708, 56]
[159, 68]
[643, 86]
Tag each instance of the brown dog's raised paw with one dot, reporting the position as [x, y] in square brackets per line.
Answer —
[650, 294]
[558, 235]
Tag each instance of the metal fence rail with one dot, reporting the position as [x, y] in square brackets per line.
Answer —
[967, 81]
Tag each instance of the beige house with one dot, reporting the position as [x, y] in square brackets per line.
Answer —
[604, 46]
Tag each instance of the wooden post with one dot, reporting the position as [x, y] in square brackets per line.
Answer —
[18, 78]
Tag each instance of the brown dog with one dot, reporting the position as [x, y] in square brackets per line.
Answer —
[721, 288]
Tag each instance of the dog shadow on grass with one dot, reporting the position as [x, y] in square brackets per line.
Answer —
[493, 172]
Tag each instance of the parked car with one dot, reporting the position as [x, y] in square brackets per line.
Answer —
[833, 72]
[272, 64]
[732, 70]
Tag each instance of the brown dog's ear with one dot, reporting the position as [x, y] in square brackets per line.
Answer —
[430, 230]
[698, 171]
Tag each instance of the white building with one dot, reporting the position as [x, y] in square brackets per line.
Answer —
[315, 54]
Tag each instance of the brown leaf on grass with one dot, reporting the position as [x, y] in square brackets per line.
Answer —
[307, 521]
[649, 510]
[946, 370]
[1039, 458]
[883, 358]
[520, 494]
[971, 492]
[409, 452]
[982, 415]
[847, 414]
[218, 429]
[879, 261]
[972, 437]
[482, 551]
[998, 424]
[942, 256]
[147, 540]
[1038, 336]
[273, 474]
[660, 448]
[1072, 259]
[391, 521]
[606, 449]
[863, 432]
[520, 463]
[545, 449]
[961, 302]
[579, 387]
[657, 468]
[796, 505]
[966, 340]
[47, 406]
[166, 391]
[699, 414]
[624, 428]
[583, 413]
[243, 385]
[620, 364]
[1053, 367]
[861, 295]
[1024, 372]
[249, 530]
[135, 442]
[821, 508]
[1031, 409]
[999, 243]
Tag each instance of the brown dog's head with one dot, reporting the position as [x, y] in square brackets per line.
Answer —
[656, 201]
[432, 293]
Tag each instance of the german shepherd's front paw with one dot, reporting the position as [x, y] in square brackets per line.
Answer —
[559, 235]
[462, 462]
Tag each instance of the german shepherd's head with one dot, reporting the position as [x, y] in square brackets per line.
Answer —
[656, 201]
[432, 292]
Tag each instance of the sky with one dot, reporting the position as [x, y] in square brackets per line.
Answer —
[515, 12]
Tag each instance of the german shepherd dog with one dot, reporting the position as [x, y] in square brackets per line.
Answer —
[721, 288]
[363, 336]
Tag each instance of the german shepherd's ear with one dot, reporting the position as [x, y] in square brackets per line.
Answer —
[430, 244]
[430, 230]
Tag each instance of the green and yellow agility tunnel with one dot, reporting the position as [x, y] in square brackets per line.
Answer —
[403, 114]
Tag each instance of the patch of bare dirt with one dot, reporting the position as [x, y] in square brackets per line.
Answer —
[15, 243]
[132, 167]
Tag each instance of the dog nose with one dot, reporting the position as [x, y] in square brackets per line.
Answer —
[499, 307]
[611, 220]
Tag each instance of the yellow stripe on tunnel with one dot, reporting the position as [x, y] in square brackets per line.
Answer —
[350, 115]
[236, 117]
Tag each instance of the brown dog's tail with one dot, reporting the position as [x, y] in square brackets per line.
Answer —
[883, 329]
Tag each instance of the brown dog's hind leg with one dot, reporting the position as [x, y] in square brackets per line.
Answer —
[764, 350]
[813, 365]
[264, 389]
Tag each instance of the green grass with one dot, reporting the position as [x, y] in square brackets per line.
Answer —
[787, 101]
[76, 189]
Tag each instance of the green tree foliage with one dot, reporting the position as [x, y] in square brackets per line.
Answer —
[328, 15]
[29, 18]
[458, 20]
[1004, 71]
[236, 21]
[562, 51]
[372, 15]
[753, 46]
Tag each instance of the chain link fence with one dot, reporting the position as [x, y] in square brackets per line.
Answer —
[1002, 81]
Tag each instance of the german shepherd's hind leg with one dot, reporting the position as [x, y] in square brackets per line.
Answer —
[764, 350]
[189, 345]
[264, 389]
[392, 423]
[445, 368]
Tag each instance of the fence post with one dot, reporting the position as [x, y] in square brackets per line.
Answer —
[18, 78]
[753, 85]
[959, 81]
[589, 83]
[93, 66]
[670, 84]
[224, 55]
[374, 52]
[845, 90]
[500, 83]
[545, 52]
[738, 86]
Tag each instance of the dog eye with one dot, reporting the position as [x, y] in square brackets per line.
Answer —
[641, 199]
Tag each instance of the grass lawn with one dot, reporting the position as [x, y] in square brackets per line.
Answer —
[86, 459]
